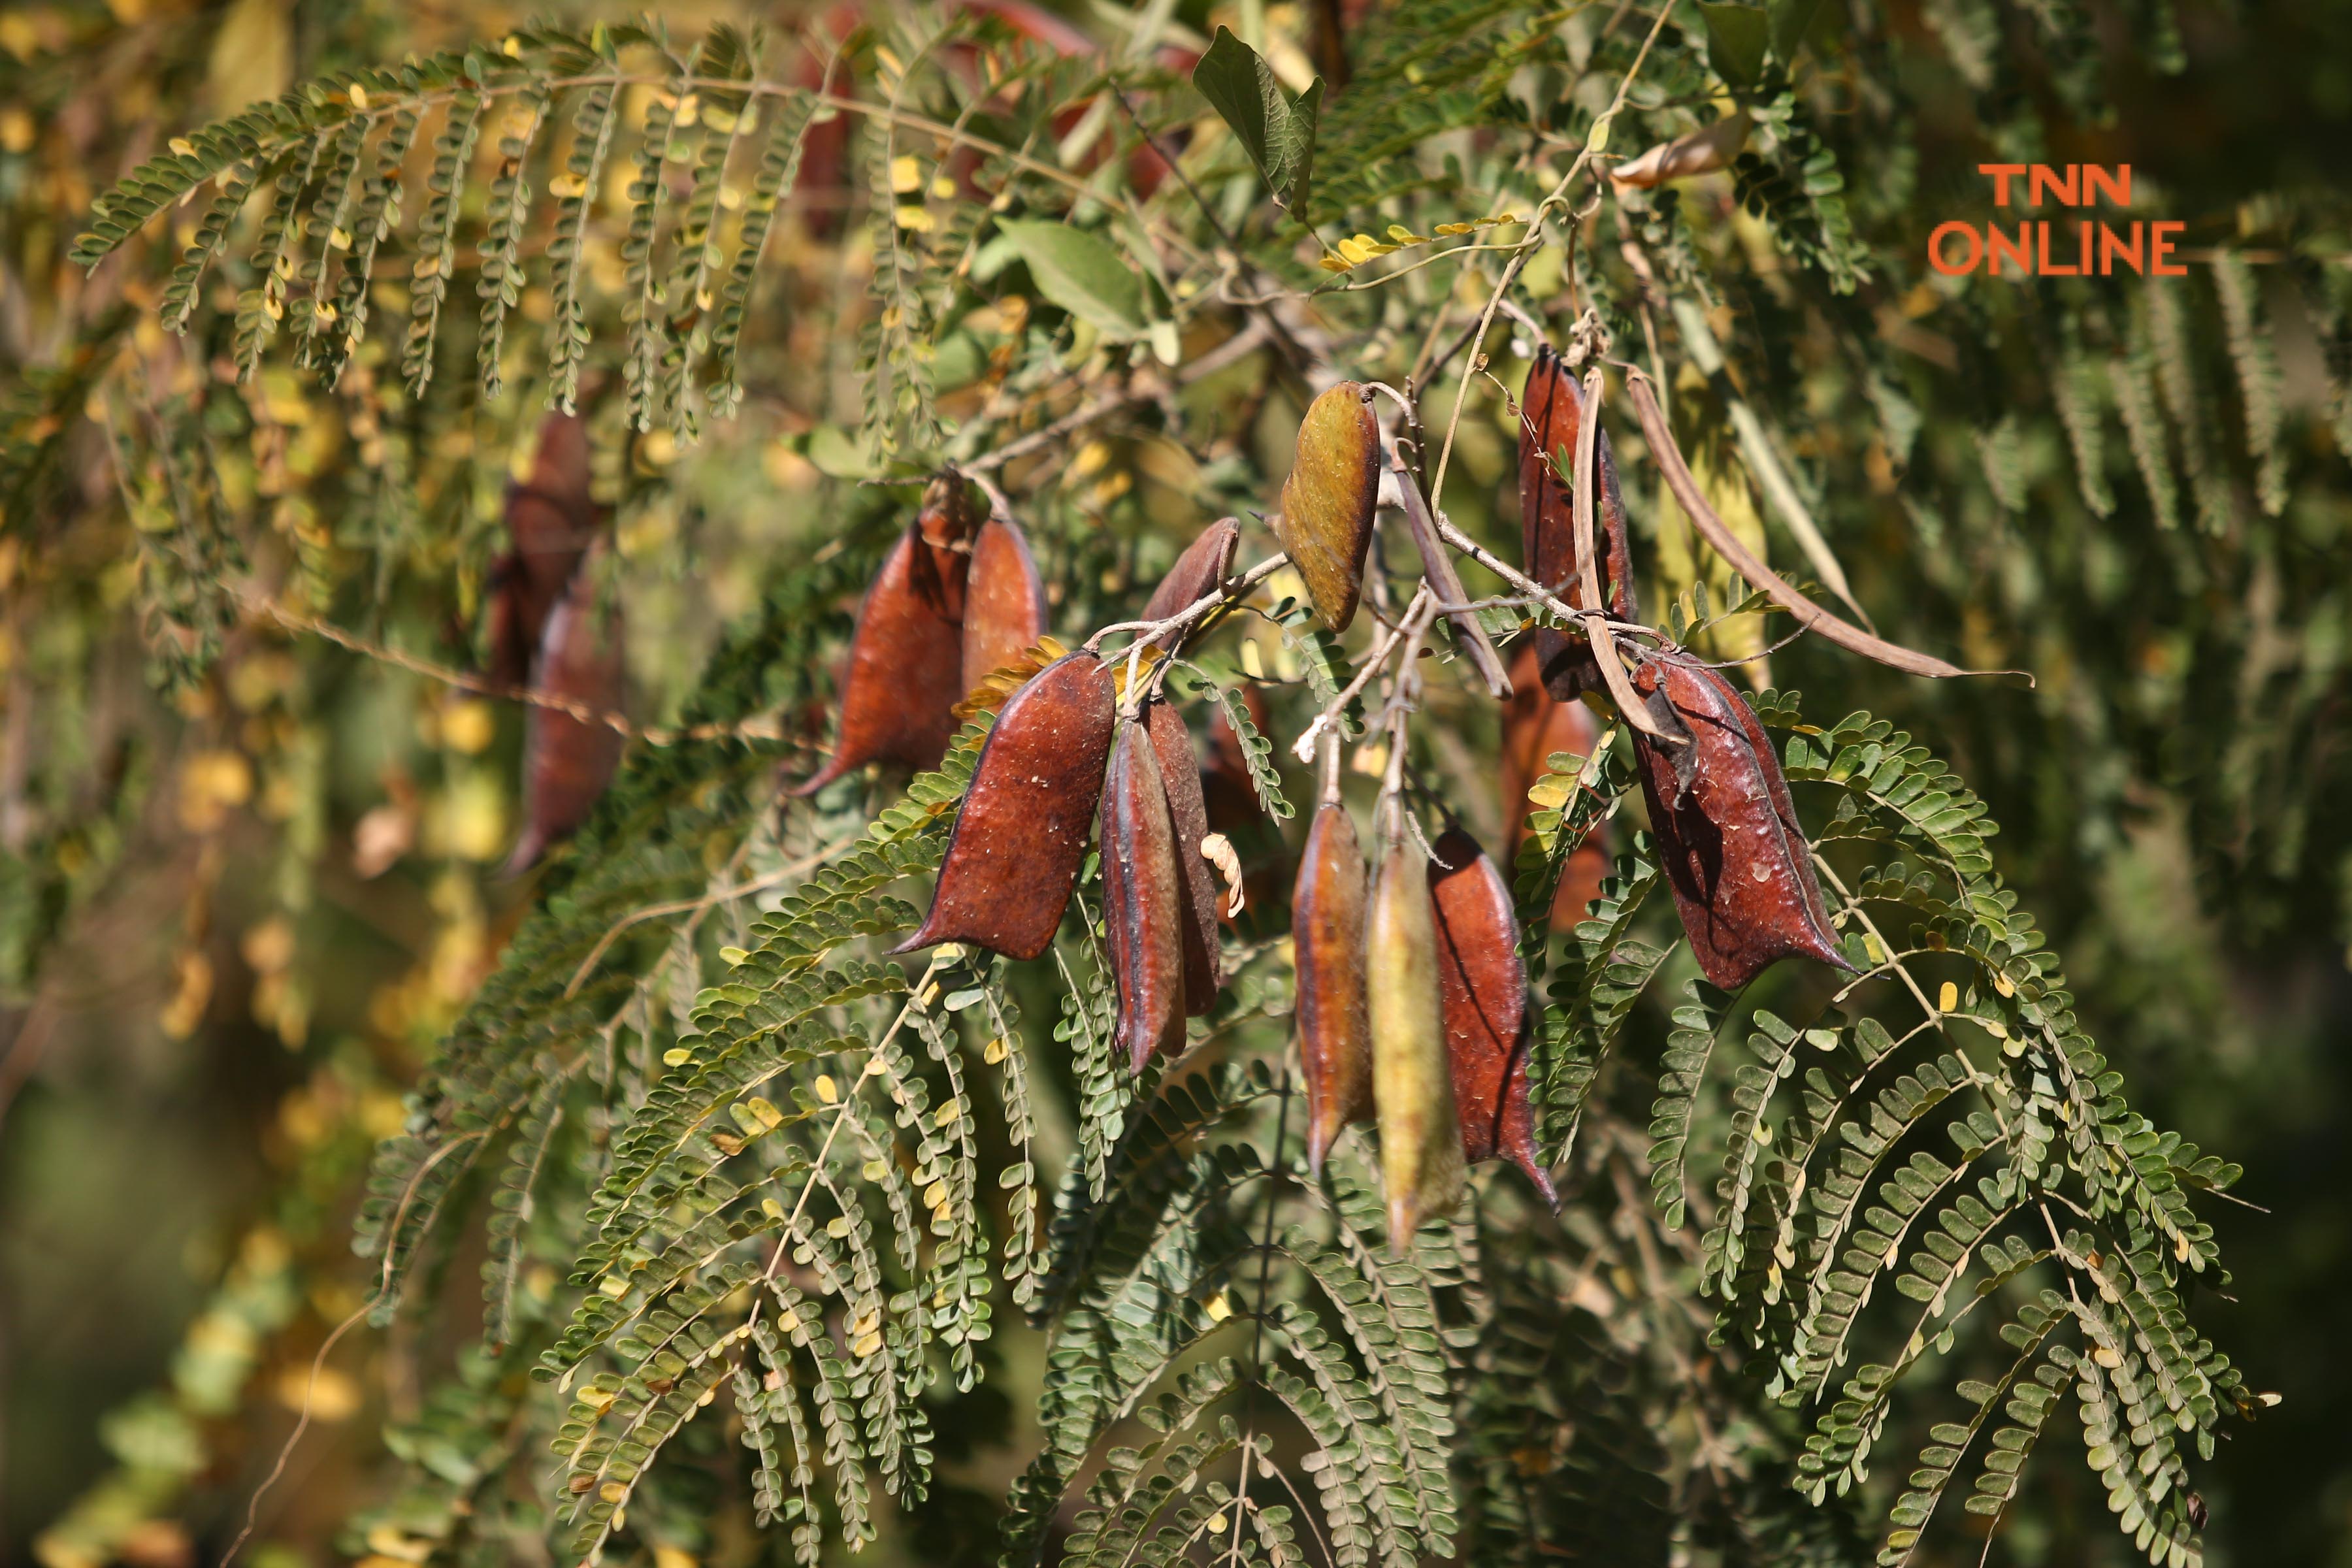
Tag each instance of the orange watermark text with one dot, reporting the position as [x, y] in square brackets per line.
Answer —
[2073, 247]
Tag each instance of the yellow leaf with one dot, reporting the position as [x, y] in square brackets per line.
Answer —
[1335, 264]
[677, 1057]
[1948, 998]
[1355, 252]
[906, 174]
[994, 1052]
[179, 145]
[826, 1089]
[358, 97]
[837, 1226]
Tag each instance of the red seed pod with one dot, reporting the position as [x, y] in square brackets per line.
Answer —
[1196, 889]
[1326, 933]
[1327, 501]
[1727, 832]
[1004, 602]
[1204, 564]
[549, 520]
[1413, 1084]
[1022, 832]
[906, 659]
[1484, 987]
[568, 760]
[1535, 725]
[1141, 916]
[1550, 411]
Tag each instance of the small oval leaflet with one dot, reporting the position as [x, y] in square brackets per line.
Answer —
[1022, 832]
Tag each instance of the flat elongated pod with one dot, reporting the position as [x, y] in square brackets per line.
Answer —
[1204, 564]
[568, 760]
[1420, 1134]
[1141, 914]
[1327, 501]
[906, 659]
[1021, 835]
[1551, 410]
[550, 518]
[1196, 881]
[1004, 602]
[1727, 832]
[1483, 986]
[1535, 725]
[1326, 933]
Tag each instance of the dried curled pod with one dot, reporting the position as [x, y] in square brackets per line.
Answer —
[1412, 1087]
[1021, 835]
[1141, 915]
[1004, 602]
[1327, 934]
[1196, 882]
[1327, 501]
[1535, 724]
[1197, 573]
[550, 518]
[906, 659]
[1484, 985]
[1551, 410]
[1727, 832]
[567, 759]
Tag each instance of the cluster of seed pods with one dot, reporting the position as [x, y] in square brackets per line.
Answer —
[1412, 1006]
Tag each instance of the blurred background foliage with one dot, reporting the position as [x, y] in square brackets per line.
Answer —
[248, 880]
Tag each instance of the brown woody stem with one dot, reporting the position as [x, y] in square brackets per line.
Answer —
[1727, 544]
[1437, 569]
[1596, 619]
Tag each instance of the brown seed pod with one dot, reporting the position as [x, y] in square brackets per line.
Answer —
[1204, 564]
[1535, 725]
[1326, 933]
[1484, 985]
[1727, 832]
[1196, 883]
[1004, 602]
[1420, 1135]
[568, 760]
[1551, 411]
[549, 520]
[906, 659]
[1022, 832]
[1327, 501]
[1141, 914]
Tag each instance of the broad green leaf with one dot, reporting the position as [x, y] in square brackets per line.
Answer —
[1084, 274]
[1791, 21]
[1737, 37]
[1278, 135]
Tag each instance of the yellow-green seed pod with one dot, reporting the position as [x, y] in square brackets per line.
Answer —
[1413, 1086]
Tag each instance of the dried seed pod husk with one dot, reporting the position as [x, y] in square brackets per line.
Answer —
[1412, 1087]
[1729, 837]
[1552, 409]
[906, 659]
[1021, 835]
[1484, 985]
[1206, 564]
[1004, 602]
[1196, 884]
[1535, 724]
[1141, 912]
[568, 760]
[549, 520]
[1327, 501]
[1326, 933]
